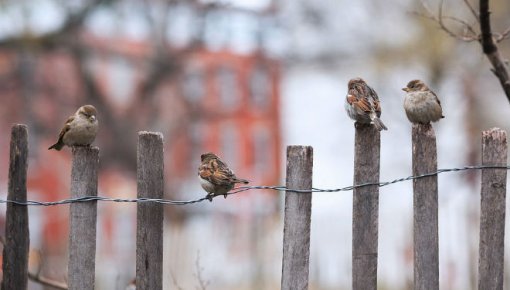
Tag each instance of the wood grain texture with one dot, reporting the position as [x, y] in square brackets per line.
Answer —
[492, 217]
[426, 239]
[149, 227]
[83, 219]
[298, 210]
[15, 253]
[365, 215]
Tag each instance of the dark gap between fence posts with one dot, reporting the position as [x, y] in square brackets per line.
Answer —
[365, 214]
[83, 219]
[492, 217]
[16, 244]
[425, 207]
[149, 220]
[296, 224]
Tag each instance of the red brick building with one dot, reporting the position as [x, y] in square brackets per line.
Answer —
[214, 100]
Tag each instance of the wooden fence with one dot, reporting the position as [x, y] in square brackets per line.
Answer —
[296, 238]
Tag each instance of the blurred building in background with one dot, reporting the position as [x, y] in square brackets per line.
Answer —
[173, 67]
[245, 78]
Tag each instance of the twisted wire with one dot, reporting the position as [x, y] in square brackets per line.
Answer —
[243, 189]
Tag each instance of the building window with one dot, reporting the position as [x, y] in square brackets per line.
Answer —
[260, 87]
[227, 87]
[229, 144]
[262, 151]
[193, 86]
[196, 138]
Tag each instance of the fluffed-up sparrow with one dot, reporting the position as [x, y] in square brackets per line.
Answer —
[362, 104]
[215, 176]
[80, 129]
[421, 104]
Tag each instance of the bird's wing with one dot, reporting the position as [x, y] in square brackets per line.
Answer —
[362, 103]
[66, 128]
[373, 99]
[377, 106]
[437, 99]
[216, 172]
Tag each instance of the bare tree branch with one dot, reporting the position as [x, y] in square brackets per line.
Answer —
[439, 20]
[56, 38]
[486, 37]
[491, 50]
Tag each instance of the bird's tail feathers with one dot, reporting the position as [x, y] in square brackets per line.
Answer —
[57, 146]
[238, 180]
[379, 125]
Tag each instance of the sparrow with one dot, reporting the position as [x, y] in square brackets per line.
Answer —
[362, 104]
[215, 176]
[421, 104]
[80, 129]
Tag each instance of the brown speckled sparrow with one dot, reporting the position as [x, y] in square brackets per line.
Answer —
[215, 176]
[79, 130]
[362, 104]
[421, 104]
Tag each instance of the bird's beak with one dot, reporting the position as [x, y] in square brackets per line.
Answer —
[405, 89]
[92, 118]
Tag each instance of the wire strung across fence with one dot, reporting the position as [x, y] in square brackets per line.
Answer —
[246, 188]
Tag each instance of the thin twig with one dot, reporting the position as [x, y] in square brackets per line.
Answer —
[502, 36]
[38, 278]
[47, 282]
[439, 20]
[474, 35]
[174, 281]
[201, 283]
[472, 9]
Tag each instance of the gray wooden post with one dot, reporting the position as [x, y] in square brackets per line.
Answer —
[15, 253]
[83, 219]
[426, 247]
[492, 218]
[296, 228]
[149, 226]
[365, 212]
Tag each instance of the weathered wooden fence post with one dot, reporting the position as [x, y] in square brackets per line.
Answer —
[365, 214]
[426, 240]
[296, 226]
[492, 218]
[83, 219]
[149, 226]
[15, 254]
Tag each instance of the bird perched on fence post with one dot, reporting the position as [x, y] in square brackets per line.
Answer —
[215, 176]
[362, 104]
[80, 129]
[421, 104]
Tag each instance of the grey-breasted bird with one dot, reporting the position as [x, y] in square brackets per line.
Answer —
[80, 129]
[421, 104]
